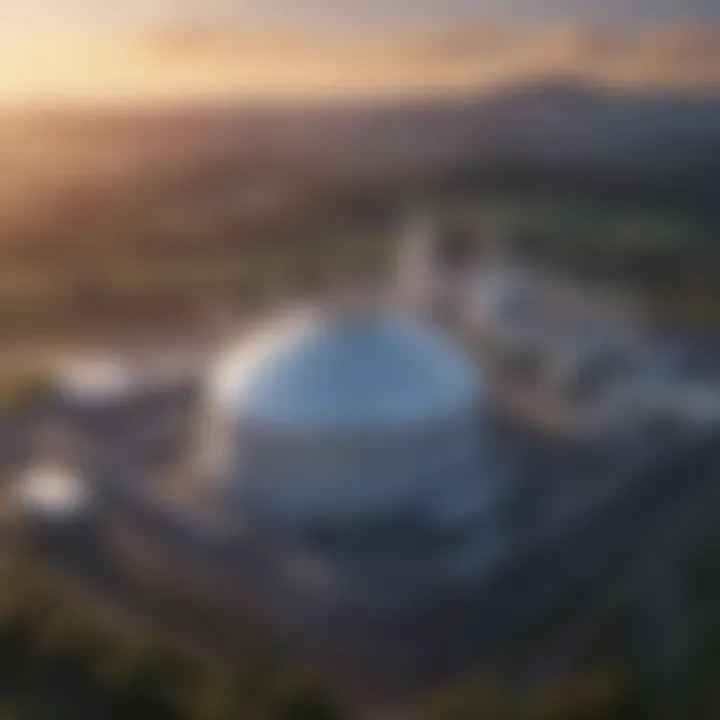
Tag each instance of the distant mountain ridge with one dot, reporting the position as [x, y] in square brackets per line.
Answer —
[547, 124]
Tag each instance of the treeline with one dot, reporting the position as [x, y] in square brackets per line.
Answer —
[56, 663]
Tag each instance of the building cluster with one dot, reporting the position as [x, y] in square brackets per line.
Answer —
[580, 356]
[358, 444]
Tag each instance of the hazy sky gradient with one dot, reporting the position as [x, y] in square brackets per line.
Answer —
[398, 15]
[133, 49]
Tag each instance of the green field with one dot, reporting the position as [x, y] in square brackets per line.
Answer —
[154, 262]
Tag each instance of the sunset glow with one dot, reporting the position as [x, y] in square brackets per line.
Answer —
[159, 57]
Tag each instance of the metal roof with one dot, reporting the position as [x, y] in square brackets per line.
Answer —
[374, 371]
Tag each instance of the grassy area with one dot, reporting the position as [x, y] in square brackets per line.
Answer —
[21, 391]
[157, 259]
[670, 256]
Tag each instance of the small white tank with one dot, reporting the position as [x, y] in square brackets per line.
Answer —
[53, 494]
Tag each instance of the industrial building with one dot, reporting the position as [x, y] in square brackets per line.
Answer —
[373, 457]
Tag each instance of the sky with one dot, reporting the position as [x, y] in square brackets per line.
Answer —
[398, 15]
[176, 49]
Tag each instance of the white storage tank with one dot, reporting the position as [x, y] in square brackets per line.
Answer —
[332, 416]
[53, 497]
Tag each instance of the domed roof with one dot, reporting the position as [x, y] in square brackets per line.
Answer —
[378, 371]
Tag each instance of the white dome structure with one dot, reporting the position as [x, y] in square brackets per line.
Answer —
[327, 417]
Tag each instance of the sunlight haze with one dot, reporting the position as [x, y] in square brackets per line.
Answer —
[78, 50]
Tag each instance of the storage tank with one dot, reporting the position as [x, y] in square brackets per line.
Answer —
[332, 416]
